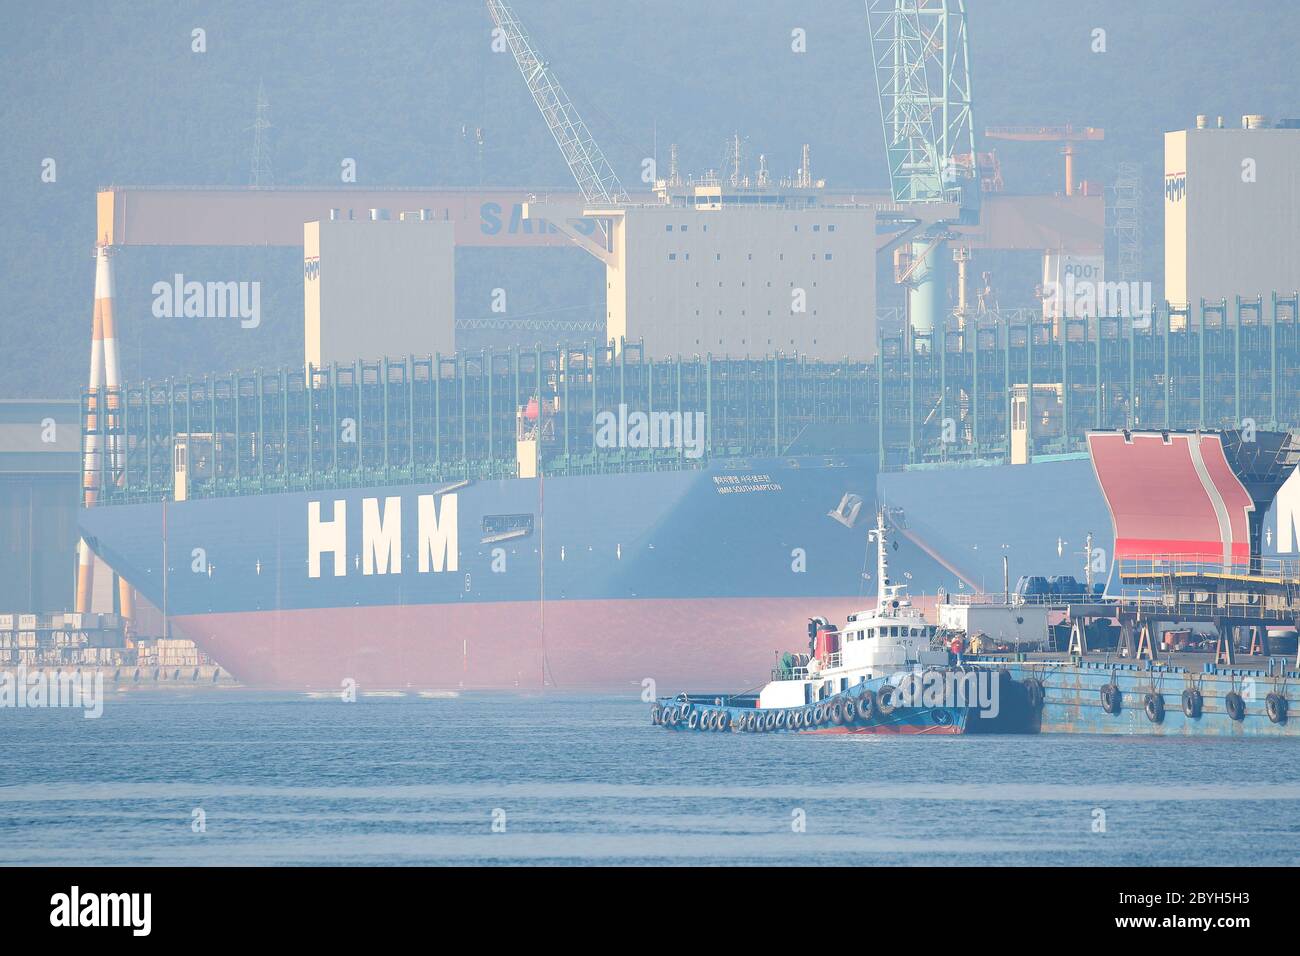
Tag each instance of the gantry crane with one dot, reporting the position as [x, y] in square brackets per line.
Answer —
[1066, 135]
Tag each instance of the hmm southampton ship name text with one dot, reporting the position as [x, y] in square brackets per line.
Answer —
[382, 533]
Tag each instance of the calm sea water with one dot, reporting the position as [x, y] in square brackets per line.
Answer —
[555, 779]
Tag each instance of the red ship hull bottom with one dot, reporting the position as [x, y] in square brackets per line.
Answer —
[704, 644]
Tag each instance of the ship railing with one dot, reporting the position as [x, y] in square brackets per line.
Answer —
[1169, 566]
[998, 599]
[789, 673]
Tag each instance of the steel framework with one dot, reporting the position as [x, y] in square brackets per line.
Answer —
[922, 67]
[595, 176]
[438, 418]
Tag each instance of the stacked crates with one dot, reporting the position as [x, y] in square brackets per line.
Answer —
[169, 653]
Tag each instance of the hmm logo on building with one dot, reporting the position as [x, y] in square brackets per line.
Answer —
[311, 268]
[436, 540]
[1175, 186]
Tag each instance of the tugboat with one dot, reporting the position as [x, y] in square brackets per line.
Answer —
[877, 675]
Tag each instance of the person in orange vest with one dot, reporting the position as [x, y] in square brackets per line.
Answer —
[955, 649]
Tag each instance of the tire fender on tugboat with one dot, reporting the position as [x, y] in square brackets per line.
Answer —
[866, 705]
[885, 699]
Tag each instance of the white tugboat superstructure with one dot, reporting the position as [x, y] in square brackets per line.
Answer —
[876, 643]
[876, 675]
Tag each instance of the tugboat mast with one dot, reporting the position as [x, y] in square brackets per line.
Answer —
[880, 535]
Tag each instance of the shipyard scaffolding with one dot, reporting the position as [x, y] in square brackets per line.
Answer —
[439, 417]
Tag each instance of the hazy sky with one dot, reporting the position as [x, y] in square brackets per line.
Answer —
[114, 94]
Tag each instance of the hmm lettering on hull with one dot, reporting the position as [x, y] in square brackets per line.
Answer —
[436, 539]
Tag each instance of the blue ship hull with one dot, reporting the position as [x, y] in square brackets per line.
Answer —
[599, 580]
[1073, 702]
[692, 577]
[839, 715]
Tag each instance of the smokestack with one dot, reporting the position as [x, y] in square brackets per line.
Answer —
[91, 449]
[105, 383]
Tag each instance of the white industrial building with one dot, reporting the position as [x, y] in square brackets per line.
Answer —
[1232, 211]
[377, 286]
[736, 273]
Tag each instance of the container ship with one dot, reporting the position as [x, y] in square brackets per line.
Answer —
[507, 520]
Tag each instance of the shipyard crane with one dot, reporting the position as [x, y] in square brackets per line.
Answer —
[1067, 136]
[596, 179]
[921, 63]
[922, 67]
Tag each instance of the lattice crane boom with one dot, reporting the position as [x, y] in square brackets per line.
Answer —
[596, 178]
[921, 62]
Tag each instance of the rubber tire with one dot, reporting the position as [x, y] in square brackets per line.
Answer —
[1112, 699]
[1034, 693]
[1275, 705]
[819, 714]
[913, 687]
[885, 700]
[693, 720]
[1193, 703]
[1154, 706]
[1235, 705]
[866, 706]
[781, 717]
[836, 712]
